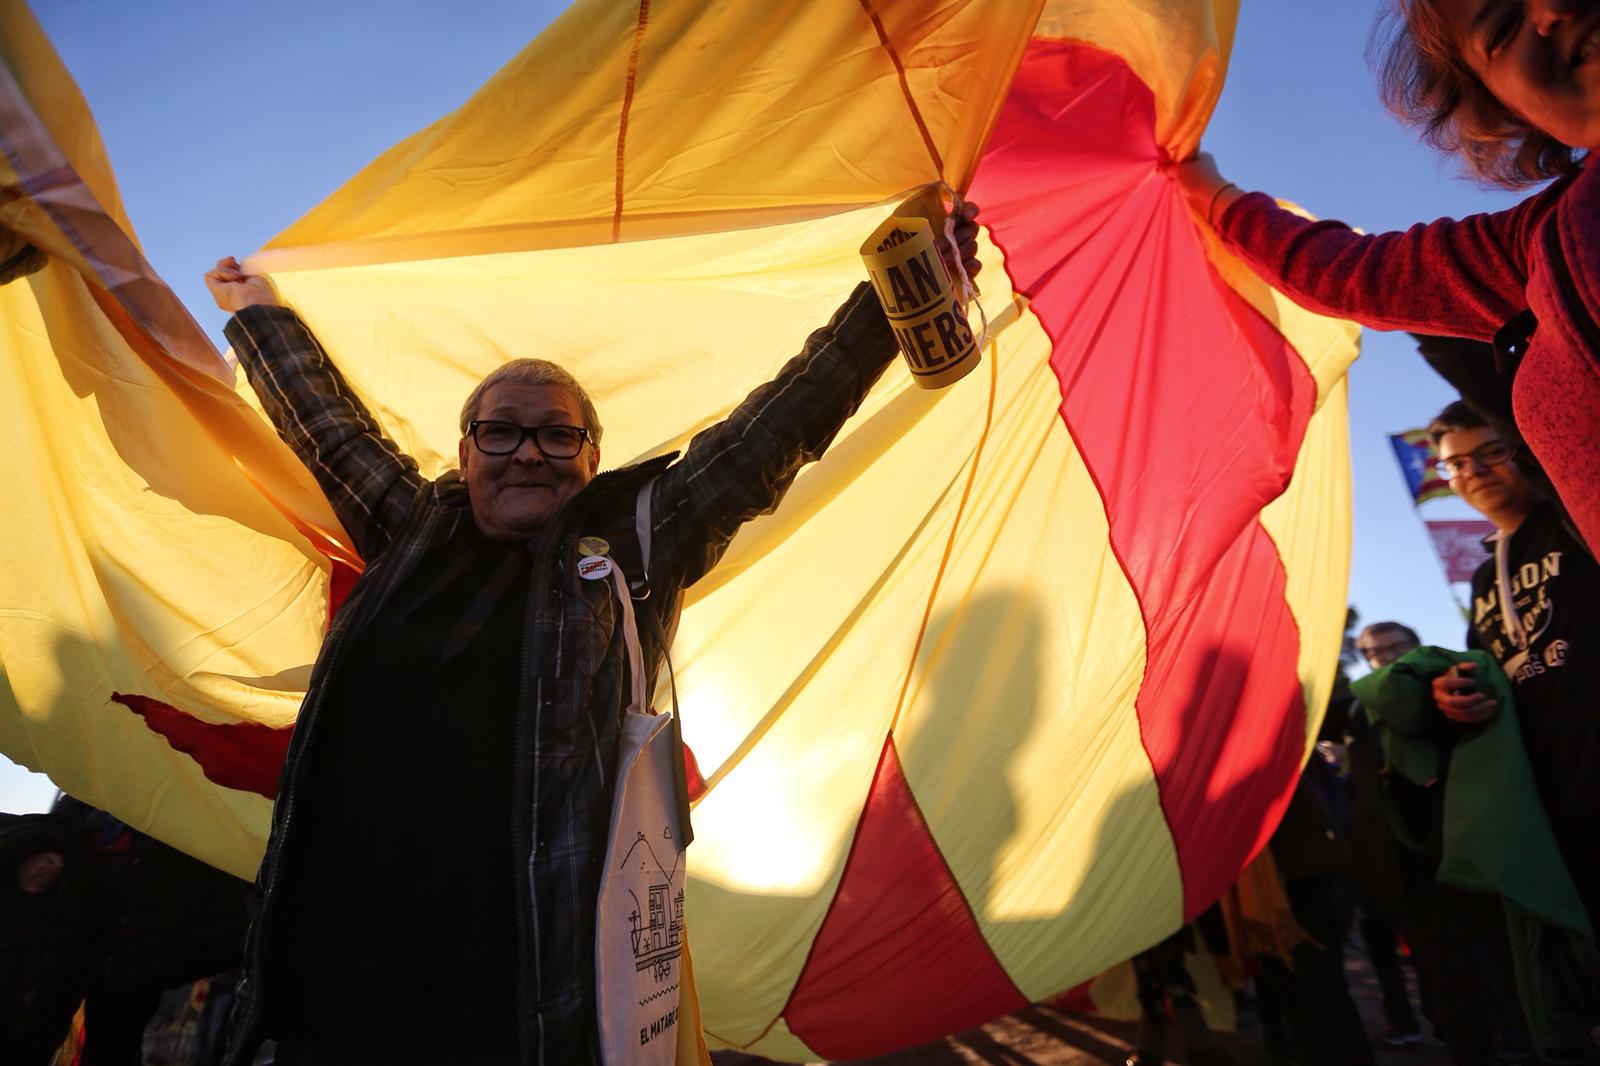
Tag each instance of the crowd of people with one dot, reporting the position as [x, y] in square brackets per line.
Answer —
[1453, 807]
[1450, 810]
[1446, 818]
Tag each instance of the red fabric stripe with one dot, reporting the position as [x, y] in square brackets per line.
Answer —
[1189, 410]
[340, 582]
[627, 108]
[899, 959]
[245, 756]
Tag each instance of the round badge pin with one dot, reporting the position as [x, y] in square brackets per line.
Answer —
[594, 567]
[593, 546]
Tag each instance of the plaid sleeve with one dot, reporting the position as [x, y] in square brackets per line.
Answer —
[368, 480]
[741, 467]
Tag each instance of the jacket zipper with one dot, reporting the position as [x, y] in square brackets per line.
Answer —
[525, 801]
[525, 815]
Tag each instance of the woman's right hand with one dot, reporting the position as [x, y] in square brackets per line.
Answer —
[1201, 183]
[234, 290]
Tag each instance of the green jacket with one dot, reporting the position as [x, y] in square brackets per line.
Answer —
[1490, 831]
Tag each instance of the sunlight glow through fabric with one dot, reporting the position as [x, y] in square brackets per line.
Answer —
[1017, 678]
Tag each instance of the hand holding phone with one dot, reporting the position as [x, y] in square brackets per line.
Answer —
[1456, 694]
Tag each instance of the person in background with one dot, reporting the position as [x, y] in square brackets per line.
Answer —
[1308, 991]
[1167, 994]
[1386, 911]
[1457, 937]
[95, 912]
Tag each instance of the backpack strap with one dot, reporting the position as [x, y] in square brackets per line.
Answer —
[1511, 341]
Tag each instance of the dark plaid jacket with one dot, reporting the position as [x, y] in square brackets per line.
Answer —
[575, 684]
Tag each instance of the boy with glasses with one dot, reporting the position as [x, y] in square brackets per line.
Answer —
[1536, 609]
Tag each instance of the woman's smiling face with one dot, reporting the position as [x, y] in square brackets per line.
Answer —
[514, 495]
[1540, 58]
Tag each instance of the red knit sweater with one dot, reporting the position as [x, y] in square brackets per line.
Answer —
[1465, 279]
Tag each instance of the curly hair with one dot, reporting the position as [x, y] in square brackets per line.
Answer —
[1425, 81]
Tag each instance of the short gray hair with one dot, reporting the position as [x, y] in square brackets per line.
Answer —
[533, 372]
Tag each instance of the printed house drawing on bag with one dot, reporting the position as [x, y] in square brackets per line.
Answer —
[658, 942]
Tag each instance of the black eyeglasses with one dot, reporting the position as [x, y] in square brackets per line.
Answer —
[502, 438]
[1492, 453]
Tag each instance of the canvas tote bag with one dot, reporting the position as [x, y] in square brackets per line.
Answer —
[649, 1014]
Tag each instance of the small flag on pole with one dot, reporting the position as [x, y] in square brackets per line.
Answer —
[1417, 457]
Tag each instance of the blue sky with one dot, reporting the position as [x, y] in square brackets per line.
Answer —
[224, 127]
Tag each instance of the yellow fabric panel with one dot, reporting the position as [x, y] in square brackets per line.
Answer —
[1031, 664]
[1115, 993]
[779, 1044]
[737, 117]
[127, 536]
[1311, 526]
[1179, 48]
[823, 596]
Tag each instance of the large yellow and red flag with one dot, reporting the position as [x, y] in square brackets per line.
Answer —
[166, 557]
[1022, 673]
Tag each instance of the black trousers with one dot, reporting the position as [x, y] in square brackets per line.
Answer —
[1463, 949]
[1379, 936]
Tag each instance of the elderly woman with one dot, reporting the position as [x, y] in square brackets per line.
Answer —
[1513, 86]
[430, 883]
